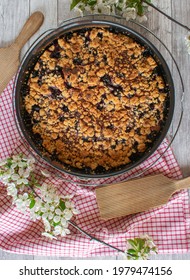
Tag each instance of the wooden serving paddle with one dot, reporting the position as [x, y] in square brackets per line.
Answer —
[137, 195]
[9, 56]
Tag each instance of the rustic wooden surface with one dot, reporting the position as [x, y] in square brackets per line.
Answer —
[13, 14]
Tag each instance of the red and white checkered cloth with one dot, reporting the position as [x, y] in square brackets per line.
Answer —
[168, 225]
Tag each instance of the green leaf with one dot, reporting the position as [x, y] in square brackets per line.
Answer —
[92, 2]
[56, 224]
[62, 205]
[131, 242]
[140, 10]
[74, 3]
[118, 8]
[132, 252]
[32, 203]
[9, 162]
[140, 243]
[37, 186]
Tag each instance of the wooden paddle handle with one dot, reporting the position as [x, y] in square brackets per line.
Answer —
[182, 184]
[31, 26]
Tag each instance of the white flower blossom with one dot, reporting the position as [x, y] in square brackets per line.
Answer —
[45, 173]
[48, 211]
[20, 178]
[56, 219]
[148, 241]
[130, 13]
[68, 214]
[3, 162]
[61, 217]
[48, 193]
[70, 205]
[78, 12]
[31, 161]
[24, 173]
[49, 235]
[59, 230]
[68, 197]
[6, 177]
[142, 19]
[35, 211]
[101, 8]
[18, 162]
[22, 202]
[12, 190]
[46, 224]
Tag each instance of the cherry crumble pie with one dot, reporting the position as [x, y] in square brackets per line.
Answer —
[96, 99]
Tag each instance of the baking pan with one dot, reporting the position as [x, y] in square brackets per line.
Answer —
[20, 91]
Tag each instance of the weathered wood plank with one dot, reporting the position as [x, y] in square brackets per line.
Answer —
[49, 9]
[63, 11]
[10, 12]
[13, 15]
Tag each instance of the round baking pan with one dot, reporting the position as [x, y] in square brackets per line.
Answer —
[20, 91]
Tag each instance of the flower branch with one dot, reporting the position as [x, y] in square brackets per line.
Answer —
[187, 38]
[42, 202]
[96, 239]
[128, 9]
[169, 17]
[136, 248]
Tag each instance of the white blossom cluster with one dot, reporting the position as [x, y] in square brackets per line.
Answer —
[187, 42]
[41, 202]
[140, 248]
[14, 173]
[55, 211]
[125, 8]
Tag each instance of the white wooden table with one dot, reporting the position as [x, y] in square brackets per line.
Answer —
[13, 14]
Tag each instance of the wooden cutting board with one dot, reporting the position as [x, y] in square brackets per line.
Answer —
[137, 195]
[9, 56]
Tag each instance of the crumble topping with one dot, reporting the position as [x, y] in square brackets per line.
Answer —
[96, 99]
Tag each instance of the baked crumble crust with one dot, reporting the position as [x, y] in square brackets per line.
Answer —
[96, 99]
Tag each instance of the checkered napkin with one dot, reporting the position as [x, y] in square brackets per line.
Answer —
[168, 225]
